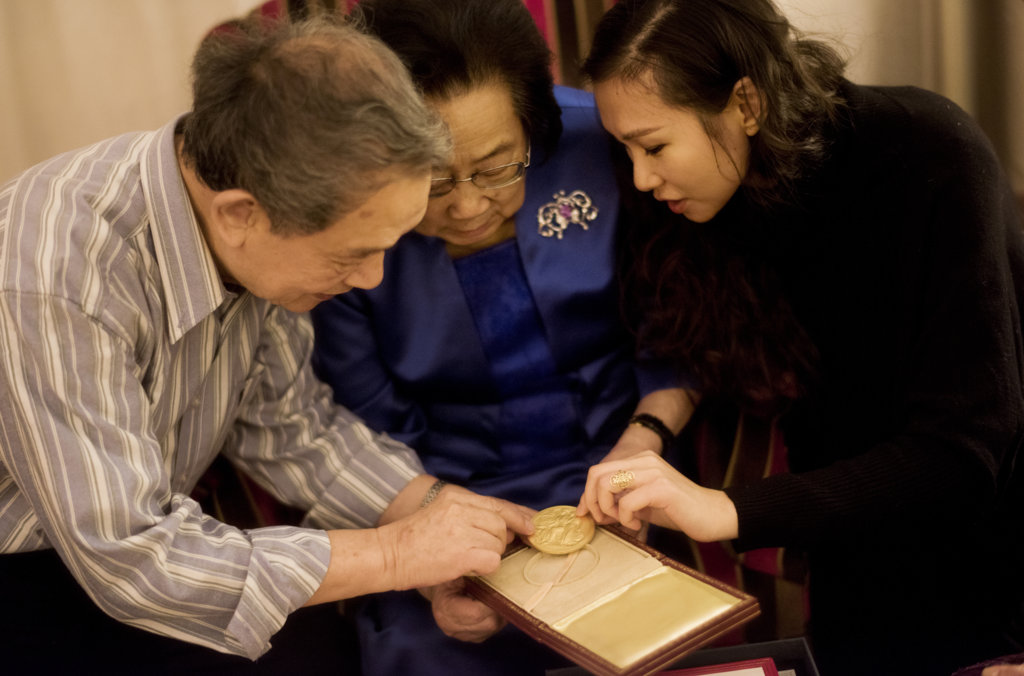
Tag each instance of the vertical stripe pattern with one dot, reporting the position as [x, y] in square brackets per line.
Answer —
[125, 368]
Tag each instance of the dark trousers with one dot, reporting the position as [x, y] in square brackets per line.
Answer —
[48, 625]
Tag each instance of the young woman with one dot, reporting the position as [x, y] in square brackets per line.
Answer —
[850, 257]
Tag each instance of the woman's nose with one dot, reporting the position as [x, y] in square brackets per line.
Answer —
[467, 201]
[644, 177]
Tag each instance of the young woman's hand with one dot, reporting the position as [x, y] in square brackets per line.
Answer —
[645, 488]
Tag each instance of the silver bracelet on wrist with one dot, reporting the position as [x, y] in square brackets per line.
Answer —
[433, 492]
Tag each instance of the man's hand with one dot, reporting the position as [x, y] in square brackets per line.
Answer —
[459, 533]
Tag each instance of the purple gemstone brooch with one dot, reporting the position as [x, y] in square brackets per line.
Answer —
[575, 208]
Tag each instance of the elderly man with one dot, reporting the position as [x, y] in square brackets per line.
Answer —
[149, 286]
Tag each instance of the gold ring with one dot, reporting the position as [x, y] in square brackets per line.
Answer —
[622, 479]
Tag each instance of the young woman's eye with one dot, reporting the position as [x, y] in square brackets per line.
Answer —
[654, 150]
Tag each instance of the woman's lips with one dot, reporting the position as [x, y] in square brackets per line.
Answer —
[676, 206]
[475, 233]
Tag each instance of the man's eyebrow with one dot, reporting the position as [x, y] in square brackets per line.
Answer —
[365, 251]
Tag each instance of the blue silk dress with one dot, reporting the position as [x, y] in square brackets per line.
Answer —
[508, 371]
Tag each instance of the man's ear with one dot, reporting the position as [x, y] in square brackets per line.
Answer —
[751, 105]
[234, 214]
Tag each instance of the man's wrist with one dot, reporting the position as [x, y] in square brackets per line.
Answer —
[433, 492]
[408, 499]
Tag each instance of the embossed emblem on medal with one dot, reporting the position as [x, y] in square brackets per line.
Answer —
[557, 530]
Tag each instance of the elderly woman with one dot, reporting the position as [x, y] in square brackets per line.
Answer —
[493, 344]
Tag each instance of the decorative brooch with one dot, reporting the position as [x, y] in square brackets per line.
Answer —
[554, 217]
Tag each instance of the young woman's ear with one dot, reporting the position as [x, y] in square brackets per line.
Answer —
[751, 104]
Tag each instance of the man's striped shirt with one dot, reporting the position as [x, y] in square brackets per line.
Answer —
[126, 366]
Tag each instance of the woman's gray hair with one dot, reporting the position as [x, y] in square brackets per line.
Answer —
[311, 118]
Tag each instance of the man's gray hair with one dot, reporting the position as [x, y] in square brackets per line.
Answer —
[311, 118]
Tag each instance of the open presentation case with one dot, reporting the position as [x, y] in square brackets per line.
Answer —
[617, 607]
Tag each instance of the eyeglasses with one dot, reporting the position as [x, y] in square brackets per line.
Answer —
[488, 179]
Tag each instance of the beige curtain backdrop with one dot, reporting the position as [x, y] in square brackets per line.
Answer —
[969, 50]
[75, 71]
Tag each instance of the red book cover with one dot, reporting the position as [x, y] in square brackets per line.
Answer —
[763, 666]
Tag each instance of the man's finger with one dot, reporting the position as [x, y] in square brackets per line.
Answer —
[517, 517]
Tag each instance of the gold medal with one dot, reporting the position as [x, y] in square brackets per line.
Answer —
[557, 530]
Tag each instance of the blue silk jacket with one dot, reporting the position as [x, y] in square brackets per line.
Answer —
[408, 358]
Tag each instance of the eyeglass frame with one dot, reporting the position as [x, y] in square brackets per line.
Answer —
[454, 182]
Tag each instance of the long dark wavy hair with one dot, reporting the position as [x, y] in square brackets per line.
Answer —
[717, 310]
